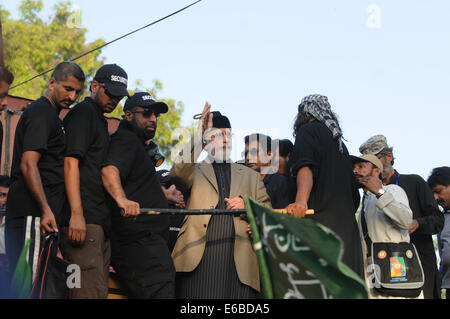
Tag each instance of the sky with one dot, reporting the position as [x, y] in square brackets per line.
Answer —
[384, 65]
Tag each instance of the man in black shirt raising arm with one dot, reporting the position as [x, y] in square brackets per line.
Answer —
[36, 194]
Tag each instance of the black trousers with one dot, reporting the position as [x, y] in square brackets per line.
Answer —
[145, 269]
[135, 289]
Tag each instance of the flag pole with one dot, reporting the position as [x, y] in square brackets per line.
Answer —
[266, 283]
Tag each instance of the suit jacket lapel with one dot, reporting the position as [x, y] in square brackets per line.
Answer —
[236, 176]
[208, 171]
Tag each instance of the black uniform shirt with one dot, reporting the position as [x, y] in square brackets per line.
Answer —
[280, 189]
[334, 195]
[39, 129]
[87, 140]
[422, 203]
[140, 183]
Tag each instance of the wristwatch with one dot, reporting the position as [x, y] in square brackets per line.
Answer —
[380, 193]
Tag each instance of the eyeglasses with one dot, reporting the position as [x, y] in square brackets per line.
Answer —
[111, 96]
[147, 113]
[380, 156]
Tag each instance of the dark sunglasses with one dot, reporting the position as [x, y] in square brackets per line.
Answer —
[147, 113]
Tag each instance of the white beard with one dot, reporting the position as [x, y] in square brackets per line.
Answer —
[218, 156]
[386, 170]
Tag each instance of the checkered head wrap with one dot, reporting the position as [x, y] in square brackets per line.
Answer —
[318, 106]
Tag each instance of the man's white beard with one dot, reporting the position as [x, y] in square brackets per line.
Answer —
[219, 156]
[386, 170]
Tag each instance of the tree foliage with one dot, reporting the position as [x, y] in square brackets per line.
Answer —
[34, 45]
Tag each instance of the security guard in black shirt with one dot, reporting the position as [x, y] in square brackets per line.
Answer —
[140, 255]
[85, 222]
[36, 194]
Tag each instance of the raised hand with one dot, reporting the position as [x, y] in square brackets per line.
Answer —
[206, 122]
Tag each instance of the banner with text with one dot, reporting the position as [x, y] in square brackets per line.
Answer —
[300, 258]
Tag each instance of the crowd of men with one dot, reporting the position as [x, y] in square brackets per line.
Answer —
[73, 178]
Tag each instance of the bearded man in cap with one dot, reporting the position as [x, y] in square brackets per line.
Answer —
[139, 252]
[427, 218]
[213, 255]
[385, 215]
[322, 167]
[87, 217]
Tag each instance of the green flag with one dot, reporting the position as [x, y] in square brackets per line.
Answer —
[21, 281]
[300, 258]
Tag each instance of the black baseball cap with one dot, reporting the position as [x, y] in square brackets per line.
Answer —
[144, 99]
[115, 79]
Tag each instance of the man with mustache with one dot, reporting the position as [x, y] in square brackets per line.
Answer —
[36, 194]
[86, 221]
[439, 182]
[385, 215]
[427, 218]
[140, 255]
